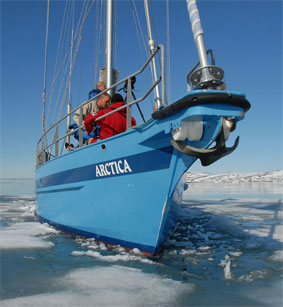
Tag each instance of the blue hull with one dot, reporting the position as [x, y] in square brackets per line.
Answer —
[125, 190]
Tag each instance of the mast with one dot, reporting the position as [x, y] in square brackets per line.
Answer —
[151, 45]
[109, 49]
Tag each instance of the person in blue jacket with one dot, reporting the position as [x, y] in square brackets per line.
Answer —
[100, 87]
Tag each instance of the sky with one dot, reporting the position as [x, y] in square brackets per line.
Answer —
[246, 37]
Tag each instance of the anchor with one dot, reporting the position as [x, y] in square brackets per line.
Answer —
[207, 156]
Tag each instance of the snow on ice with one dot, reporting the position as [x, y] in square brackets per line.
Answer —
[21, 231]
[275, 176]
[108, 286]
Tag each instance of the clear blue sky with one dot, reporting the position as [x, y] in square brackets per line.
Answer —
[246, 37]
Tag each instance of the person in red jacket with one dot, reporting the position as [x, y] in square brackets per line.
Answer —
[112, 124]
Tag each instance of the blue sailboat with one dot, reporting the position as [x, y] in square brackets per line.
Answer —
[126, 190]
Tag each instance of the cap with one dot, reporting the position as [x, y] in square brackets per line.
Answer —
[117, 98]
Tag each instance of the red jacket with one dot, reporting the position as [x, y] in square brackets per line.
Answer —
[110, 125]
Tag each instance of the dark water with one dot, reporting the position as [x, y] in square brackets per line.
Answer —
[226, 251]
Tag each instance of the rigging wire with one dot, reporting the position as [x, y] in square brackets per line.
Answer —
[168, 51]
[168, 43]
[115, 39]
[67, 53]
[96, 29]
[66, 36]
[63, 25]
[152, 41]
[146, 50]
[84, 13]
[139, 40]
[59, 92]
[70, 75]
[66, 90]
[45, 69]
[154, 30]
[140, 34]
[97, 53]
[71, 53]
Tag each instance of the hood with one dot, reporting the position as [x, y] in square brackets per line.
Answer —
[117, 105]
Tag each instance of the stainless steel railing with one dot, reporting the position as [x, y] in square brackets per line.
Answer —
[41, 154]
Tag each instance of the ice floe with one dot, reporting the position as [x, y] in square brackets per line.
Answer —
[108, 286]
[277, 256]
[227, 271]
[26, 235]
[253, 276]
[97, 250]
[19, 229]
[111, 258]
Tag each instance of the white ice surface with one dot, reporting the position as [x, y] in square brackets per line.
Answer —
[275, 176]
[26, 235]
[111, 258]
[95, 249]
[227, 271]
[277, 256]
[108, 286]
[22, 232]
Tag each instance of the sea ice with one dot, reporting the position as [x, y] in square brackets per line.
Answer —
[225, 225]
[235, 254]
[227, 271]
[26, 235]
[108, 286]
[188, 252]
[253, 275]
[275, 176]
[277, 256]
[125, 257]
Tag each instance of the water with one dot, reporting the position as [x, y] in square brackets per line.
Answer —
[17, 187]
[226, 251]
